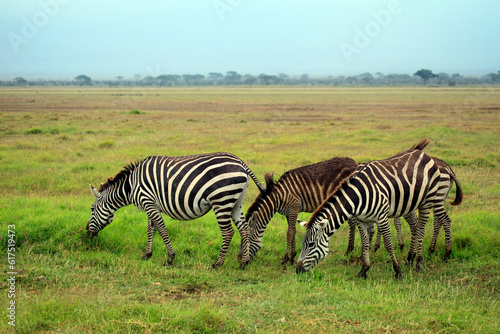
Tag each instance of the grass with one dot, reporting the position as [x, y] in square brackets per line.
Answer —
[51, 149]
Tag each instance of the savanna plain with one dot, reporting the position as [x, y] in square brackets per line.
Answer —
[57, 141]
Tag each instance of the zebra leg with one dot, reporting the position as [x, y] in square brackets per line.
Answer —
[224, 221]
[437, 227]
[352, 233]
[157, 221]
[397, 225]
[376, 246]
[445, 220]
[244, 229]
[291, 250]
[447, 233]
[385, 229]
[423, 216]
[412, 221]
[365, 248]
[149, 247]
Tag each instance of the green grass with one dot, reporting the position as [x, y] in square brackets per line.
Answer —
[50, 151]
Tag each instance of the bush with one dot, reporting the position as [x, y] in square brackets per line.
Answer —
[34, 131]
[106, 144]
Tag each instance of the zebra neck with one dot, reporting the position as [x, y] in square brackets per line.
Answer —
[119, 195]
[341, 206]
[268, 208]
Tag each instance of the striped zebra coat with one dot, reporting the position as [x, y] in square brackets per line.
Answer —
[447, 178]
[301, 189]
[375, 192]
[184, 188]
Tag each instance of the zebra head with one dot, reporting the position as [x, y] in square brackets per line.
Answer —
[314, 245]
[256, 233]
[102, 215]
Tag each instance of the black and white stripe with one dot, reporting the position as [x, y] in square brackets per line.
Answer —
[301, 189]
[375, 192]
[441, 218]
[184, 188]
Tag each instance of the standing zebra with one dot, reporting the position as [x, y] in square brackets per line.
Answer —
[301, 189]
[447, 178]
[184, 188]
[375, 192]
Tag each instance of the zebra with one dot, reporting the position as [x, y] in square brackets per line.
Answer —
[447, 178]
[301, 189]
[376, 191]
[184, 188]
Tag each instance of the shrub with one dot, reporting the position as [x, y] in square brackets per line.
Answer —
[106, 144]
[34, 131]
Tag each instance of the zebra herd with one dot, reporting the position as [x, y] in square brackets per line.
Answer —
[335, 190]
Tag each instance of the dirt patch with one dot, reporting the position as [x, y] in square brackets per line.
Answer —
[190, 290]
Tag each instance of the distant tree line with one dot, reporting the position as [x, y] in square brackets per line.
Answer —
[233, 78]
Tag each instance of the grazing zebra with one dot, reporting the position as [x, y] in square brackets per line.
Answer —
[301, 189]
[184, 188]
[447, 178]
[375, 192]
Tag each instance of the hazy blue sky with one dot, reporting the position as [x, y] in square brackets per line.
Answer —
[104, 39]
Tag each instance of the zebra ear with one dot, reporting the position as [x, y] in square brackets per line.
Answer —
[322, 224]
[96, 192]
[302, 223]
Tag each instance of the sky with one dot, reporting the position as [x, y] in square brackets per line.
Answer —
[103, 39]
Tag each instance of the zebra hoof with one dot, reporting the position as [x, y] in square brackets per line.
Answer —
[216, 265]
[146, 256]
[349, 250]
[362, 272]
[243, 265]
[446, 256]
[399, 277]
[401, 247]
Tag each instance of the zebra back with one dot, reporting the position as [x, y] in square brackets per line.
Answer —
[309, 184]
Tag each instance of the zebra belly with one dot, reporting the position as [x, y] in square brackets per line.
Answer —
[202, 209]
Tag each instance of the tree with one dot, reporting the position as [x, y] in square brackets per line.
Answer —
[425, 75]
[232, 78]
[249, 79]
[20, 81]
[214, 75]
[84, 80]
[168, 79]
[495, 77]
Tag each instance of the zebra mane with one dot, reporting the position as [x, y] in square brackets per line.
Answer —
[340, 185]
[122, 175]
[270, 183]
[421, 144]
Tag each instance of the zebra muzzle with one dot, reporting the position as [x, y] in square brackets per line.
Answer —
[300, 268]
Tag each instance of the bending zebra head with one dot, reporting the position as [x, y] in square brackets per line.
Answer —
[314, 245]
[259, 214]
[102, 215]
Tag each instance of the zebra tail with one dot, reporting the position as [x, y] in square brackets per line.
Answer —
[458, 194]
[259, 185]
[421, 144]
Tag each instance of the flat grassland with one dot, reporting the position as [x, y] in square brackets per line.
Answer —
[54, 142]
